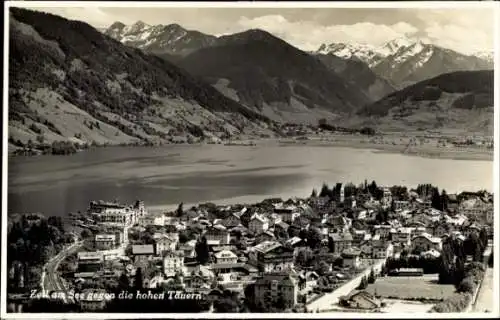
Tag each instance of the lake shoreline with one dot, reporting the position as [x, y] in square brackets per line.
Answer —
[432, 152]
[348, 141]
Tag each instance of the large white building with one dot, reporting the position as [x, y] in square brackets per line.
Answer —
[114, 214]
[173, 262]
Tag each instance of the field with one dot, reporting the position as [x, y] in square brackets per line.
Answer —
[411, 288]
[405, 306]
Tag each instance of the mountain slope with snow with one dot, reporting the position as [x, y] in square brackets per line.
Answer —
[404, 61]
[160, 39]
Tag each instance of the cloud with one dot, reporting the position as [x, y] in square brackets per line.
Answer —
[461, 30]
[465, 31]
[308, 35]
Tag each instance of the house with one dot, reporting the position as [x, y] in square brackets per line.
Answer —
[90, 261]
[425, 242]
[350, 202]
[468, 229]
[419, 230]
[232, 221]
[318, 203]
[360, 300]
[308, 279]
[271, 256]
[156, 219]
[199, 277]
[402, 235]
[281, 227]
[383, 230]
[276, 288]
[114, 214]
[338, 223]
[423, 204]
[104, 241]
[351, 258]
[143, 251]
[302, 222]
[288, 213]
[359, 236]
[400, 205]
[173, 262]
[296, 243]
[225, 256]
[441, 229]
[265, 236]
[340, 242]
[258, 224]
[273, 219]
[163, 244]
[382, 250]
[188, 249]
[217, 235]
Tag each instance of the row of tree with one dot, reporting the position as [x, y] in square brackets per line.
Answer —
[32, 241]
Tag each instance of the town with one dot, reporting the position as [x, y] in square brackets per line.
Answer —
[345, 248]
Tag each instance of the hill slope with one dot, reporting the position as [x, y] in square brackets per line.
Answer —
[358, 73]
[273, 77]
[84, 86]
[459, 101]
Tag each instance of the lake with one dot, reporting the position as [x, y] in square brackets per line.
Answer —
[166, 176]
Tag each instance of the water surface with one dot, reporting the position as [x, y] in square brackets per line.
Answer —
[166, 176]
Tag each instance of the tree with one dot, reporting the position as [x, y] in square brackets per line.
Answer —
[180, 210]
[304, 257]
[466, 285]
[322, 268]
[202, 251]
[363, 284]
[444, 200]
[314, 193]
[139, 279]
[314, 238]
[325, 191]
[371, 278]
[436, 199]
[86, 233]
[228, 303]
[123, 282]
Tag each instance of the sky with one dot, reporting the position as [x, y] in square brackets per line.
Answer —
[466, 30]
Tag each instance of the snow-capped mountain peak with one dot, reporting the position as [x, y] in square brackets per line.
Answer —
[137, 27]
[172, 38]
[372, 55]
[363, 52]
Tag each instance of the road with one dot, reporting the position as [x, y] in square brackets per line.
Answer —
[51, 281]
[484, 301]
[330, 300]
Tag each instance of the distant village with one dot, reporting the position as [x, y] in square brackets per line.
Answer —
[298, 255]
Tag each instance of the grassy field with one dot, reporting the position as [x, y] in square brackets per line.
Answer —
[409, 288]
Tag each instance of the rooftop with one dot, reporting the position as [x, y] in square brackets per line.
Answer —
[143, 249]
[267, 246]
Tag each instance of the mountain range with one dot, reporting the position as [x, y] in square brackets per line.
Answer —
[404, 61]
[143, 83]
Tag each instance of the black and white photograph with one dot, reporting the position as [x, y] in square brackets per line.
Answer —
[243, 158]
